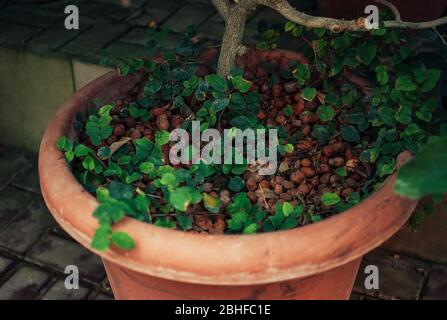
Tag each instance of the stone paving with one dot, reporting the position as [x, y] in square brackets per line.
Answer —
[34, 251]
[105, 25]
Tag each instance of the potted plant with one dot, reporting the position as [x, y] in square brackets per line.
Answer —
[346, 111]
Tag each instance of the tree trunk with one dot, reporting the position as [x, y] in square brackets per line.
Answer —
[232, 41]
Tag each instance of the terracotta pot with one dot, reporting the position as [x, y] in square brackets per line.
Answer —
[410, 10]
[317, 261]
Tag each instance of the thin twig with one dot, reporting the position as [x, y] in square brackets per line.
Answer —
[392, 8]
[441, 37]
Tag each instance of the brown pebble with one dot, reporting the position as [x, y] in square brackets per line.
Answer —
[287, 184]
[306, 162]
[119, 130]
[290, 87]
[280, 119]
[136, 134]
[207, 187]
[336, 162]
[286, 197]
[324, 179]
[349, 182]
[218, 226]
[346, 192]
[308, 172]
[315, 181]
[310, 105]
[304, 145]
[276, 90]
[251, 185]
[264, 184]
[277, 189]
[306, 130]
[130, 122]
[309, 118]
[297, 177]
[303, 188]
[335, 179]
[112, 139]
[163, 122]
[324, 168]
[283, 167]
[252, 196]
[333, 149]
[225, 196]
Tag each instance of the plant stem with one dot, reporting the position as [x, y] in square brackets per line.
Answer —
[232, 41]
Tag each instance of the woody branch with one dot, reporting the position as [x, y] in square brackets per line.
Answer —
[235, 13]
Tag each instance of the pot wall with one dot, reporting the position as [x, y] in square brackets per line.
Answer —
[317, 261]
[335, 284]
[410, 10]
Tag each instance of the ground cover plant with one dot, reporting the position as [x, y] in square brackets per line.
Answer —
[345, 106]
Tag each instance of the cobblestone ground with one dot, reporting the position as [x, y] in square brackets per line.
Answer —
[34, 251]
[106, 26]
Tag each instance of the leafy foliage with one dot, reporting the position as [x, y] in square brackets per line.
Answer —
[393, 114]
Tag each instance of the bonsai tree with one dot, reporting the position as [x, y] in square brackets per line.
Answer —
[414, 181]
[235, 14]
[339, 134]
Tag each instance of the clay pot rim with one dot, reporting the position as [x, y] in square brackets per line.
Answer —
[214, 259]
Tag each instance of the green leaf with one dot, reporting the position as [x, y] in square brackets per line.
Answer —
[184, 221]
[342, 172]
[143, 148]
[426, 173]
[325, 113]
[403, 115]
[289, 26]
[309, 93]
[101, 239]
[287, 209]
[212, 204]
[367, 52]
[149, 169]
[236, 184]
[411, 130]
[289, 223]
[251, 228]
[217, 82]
[122, 240]
[104, 153]
[183, 196]
[387, 116]
[385, 169]
[64, 144]
[241, 84]
[142, 203]
[330, 199]
[238, 221]
[350, 134]
[88, 163]
[162, 137]
[302, 73]
[382, 75]
[431, 81]
[82, 150]
[152, 87]
[220, 104]
[405, 83]
[321, 133]
[120, 191]
[134, 176]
